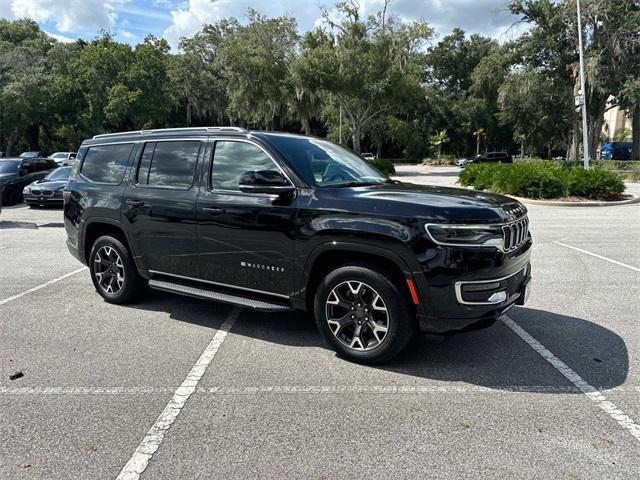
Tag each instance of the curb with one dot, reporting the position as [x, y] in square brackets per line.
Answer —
[560, 203]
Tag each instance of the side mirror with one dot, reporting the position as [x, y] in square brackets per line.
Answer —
[22, 172]
[271, 182]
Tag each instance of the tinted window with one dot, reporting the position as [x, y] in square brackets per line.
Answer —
[232, 159]
[9, 166]
[106, 163]
[61, 173]
[169, 164]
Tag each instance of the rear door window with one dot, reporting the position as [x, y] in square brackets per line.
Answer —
[106, 163]
[169, 164]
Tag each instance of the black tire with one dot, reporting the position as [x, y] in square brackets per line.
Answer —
[401, 323]
[10, 196]
[132, 283]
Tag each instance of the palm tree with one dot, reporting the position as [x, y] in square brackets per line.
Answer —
[438, 139]
[622, 135]
[479, 134]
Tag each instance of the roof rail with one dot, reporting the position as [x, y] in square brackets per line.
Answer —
[169, 130]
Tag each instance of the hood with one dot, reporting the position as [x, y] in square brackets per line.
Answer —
[434, 203]
[49, 184]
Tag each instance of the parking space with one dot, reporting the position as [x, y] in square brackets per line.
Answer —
[268, 400]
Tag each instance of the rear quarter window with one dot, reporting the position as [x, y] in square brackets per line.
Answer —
[106, 163]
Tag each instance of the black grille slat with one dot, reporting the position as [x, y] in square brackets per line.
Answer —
[515, 234]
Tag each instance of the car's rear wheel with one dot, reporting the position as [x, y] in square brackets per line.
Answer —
[113, 272]
[10, 196]
[362, 314]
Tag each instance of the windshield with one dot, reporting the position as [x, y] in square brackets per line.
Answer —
[9, 166]
[29, 154]
[59, 155]
[61, 173]
[325, 164]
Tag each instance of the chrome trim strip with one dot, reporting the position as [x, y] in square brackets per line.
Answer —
[170, 130]
[156, 272]
[459, 284]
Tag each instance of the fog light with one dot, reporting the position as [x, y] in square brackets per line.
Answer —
[498, 297]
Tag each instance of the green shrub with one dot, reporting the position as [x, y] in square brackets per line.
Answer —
[595, 183]
[385, 166]
[543, 179]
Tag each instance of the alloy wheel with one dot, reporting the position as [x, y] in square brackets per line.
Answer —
[109, 269]
[357, 315]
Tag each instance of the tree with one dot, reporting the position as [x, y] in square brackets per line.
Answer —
[551, 46]
[369, 67]
[439, 139]
[538, 109]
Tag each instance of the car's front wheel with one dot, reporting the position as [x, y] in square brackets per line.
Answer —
[362, 314]
[113, 271]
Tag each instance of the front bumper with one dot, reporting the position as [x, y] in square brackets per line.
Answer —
[43, 199]
[480, 314]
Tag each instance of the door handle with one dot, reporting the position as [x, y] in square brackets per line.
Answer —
[135, 203]
[213, 210]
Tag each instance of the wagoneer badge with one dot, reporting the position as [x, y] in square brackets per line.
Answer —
[261, 266]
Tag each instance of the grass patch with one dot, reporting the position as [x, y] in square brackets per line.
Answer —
[544, 179]
[385, 166]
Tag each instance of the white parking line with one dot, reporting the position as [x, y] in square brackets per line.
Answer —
[590, 391]
[597, 256]
[34, 289]
[154, 437]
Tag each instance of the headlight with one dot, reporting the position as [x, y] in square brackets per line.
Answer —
[466, 235]
[26, 191]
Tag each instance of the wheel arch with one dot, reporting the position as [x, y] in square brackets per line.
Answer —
[97, 228]
[331, 255]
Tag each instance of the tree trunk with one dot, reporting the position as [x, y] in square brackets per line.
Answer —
[522, 148]
[595, 127]
[306, 124]
[11, 139]
[439, 153]
[636, 132]
[355, 136]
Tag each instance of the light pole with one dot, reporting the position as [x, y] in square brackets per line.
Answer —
[585, 125]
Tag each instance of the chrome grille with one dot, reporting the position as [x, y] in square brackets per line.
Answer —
[42, 193]
[515, 234]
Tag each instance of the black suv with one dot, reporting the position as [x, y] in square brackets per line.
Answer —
[491, 157]
[276, 221]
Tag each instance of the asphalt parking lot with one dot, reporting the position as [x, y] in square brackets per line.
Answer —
[175, 387]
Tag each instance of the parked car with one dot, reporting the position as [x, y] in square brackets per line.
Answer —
[17, 173]
[34, 154]
[617, 151]
[47, 191]
[368, 156]
[275, 221]
[63, 158]
[492, 157]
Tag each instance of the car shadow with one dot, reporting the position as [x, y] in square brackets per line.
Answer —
[494, 358]
[8, 224]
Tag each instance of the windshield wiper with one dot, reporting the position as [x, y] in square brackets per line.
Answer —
[355, 184]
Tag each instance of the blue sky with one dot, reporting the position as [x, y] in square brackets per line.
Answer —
[132, 20]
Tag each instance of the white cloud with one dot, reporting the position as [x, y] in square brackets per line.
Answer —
[66, 15]
[191, 16]
[488, 17]
[61, 38]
